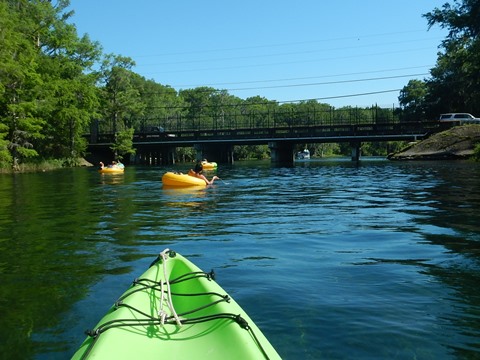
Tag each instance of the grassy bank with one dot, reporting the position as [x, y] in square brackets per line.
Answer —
[44, 165]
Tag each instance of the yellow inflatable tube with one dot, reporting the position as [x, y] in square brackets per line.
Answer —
[111, 170]
[209, 165]
[183, 180]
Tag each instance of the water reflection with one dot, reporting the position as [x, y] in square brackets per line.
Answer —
[112, 178]
[191, 197]
[189, 190]
[451, 222]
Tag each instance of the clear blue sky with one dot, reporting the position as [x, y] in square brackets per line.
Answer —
[280, 50]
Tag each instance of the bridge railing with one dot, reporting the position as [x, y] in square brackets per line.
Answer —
[277, 124]
[275, 119]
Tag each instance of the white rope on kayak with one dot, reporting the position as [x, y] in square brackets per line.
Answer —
[162, 314]
[168, 297]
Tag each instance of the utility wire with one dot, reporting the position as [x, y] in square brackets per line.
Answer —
[300, 78]
[329, 82]
[264, 46]
[209, 90]
[339, 96]
[233, 67]
[269, 55]
[270, 102]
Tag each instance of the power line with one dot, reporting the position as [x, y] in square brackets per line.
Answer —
[329, 82]
[269, 55]
[313, 84]
[337, 58]
[263, 46]
[300, 78]
[270, 102]
[340, 96]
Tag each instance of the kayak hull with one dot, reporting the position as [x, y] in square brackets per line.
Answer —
[181, 180]
[132, 329]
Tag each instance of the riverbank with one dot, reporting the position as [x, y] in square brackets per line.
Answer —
[456, 143]
[45, 165]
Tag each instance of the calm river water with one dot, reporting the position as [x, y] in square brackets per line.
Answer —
[331, 259]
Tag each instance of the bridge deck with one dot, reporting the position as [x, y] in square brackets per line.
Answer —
[296, 134]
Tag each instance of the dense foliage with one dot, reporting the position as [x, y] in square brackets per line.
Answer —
[454, 82]
[48, 92]
[57, 86]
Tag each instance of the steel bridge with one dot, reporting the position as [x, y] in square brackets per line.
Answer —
[216, 142]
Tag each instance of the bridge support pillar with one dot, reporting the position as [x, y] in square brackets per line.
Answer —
[154, 156]
[355, 150]
[168, 156]
[220, 153]
[281, 152]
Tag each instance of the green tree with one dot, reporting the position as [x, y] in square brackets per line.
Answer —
[20, 83]
[455, 79]
[70, 98]
[163, 106]
[185, 154]
[47, 97]
[123, 143]
[323, 149]
[476, 153]
[257, 111]
[198, 103]
[221, 105]
[5, 156]
[207, 107]
[121, 102]
[412, 99]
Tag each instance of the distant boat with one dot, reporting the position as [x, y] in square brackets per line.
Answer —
[303, 155]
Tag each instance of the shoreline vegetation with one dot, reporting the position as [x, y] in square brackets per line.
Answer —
[458, 143]
[45, 165]
[57, 85]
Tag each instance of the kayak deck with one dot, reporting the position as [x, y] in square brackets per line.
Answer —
[176, 310]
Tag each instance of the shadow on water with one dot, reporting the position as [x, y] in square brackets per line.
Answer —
[52, 251]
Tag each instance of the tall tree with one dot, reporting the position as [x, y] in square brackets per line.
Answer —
[6, 29]
[121, 99]
[163, 106]
[455, 81]
[20, 83]
[123, 144]
[47, 95]
[69, 93]
[256, 111]
[199, 105]
[122, 105]
[412, 99]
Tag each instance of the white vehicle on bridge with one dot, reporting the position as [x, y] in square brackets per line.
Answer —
[461, 118]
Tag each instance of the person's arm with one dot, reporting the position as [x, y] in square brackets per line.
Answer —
[201, 176]
[213, 179]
